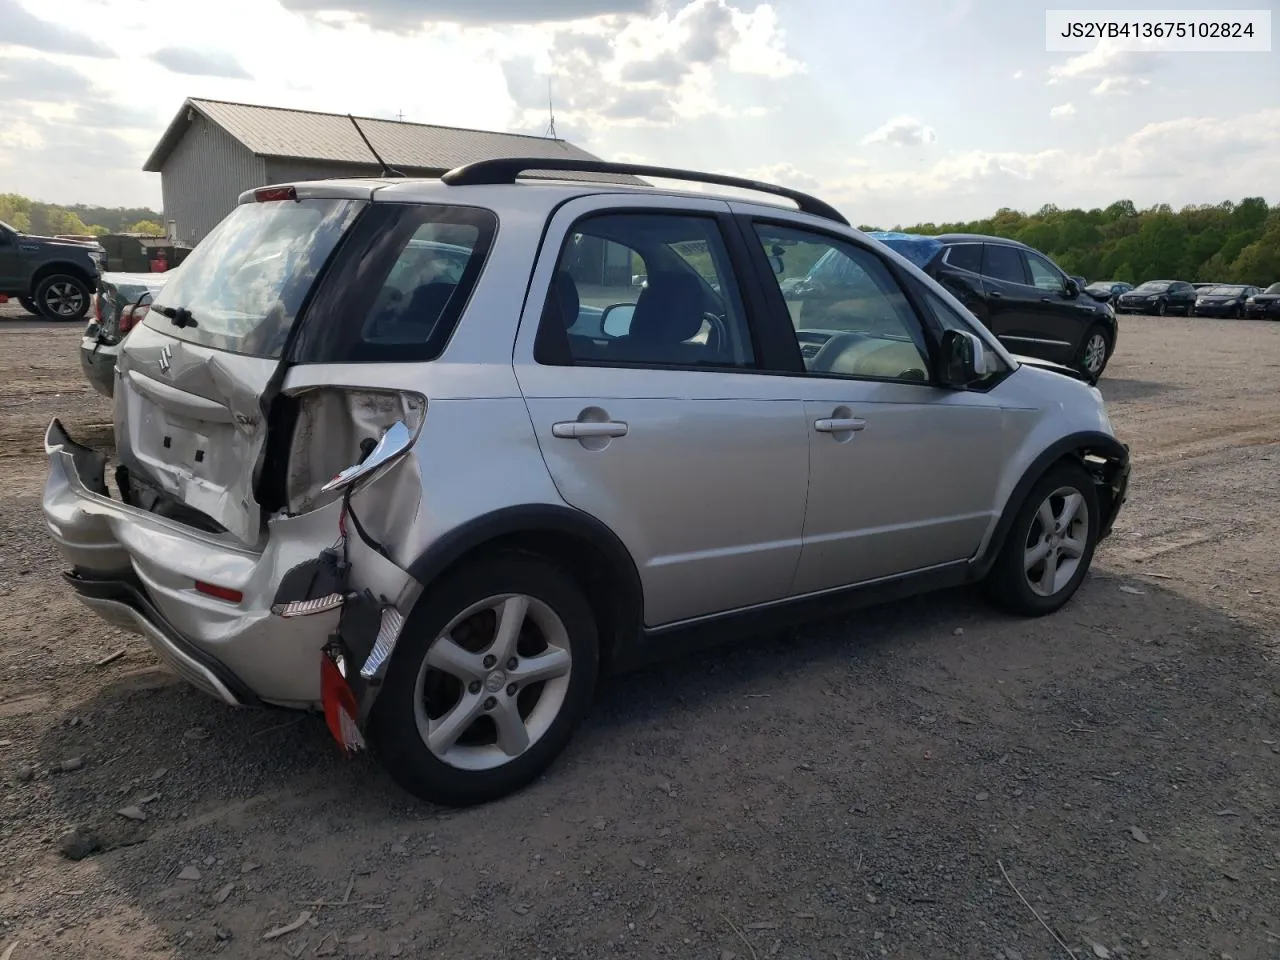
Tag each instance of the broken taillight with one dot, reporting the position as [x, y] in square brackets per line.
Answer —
[132, 317]
[269, 194]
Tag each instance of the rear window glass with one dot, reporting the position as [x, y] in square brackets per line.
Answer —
[242, 286]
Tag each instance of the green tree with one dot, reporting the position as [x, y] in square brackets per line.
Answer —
[148, 227]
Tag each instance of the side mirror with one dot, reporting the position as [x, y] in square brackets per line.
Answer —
[396, 441]
[964, 358]
[616, 319]
[1074, 285]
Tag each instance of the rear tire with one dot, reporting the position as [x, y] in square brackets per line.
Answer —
[63, 298]
[1050, 545]
[463, 717]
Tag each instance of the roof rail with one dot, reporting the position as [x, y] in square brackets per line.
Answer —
[508, 169]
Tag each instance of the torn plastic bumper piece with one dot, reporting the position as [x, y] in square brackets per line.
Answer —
[355, 657]
[341, 711]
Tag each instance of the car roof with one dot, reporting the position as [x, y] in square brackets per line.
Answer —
[531, 193]
[981, 238]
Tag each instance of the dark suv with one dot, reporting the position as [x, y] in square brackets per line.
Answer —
[1021, 295]
[51, 278]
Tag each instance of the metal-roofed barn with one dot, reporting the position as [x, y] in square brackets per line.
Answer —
[213, 151]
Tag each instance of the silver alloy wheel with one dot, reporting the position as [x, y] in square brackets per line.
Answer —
[492, 682]
[1095, 353]
[1056, 542]
[64, 298]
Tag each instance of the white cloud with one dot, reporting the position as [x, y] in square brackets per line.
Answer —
[1063, 110]
[1119, 85]
[902, 132]
[646, 71]
[1017, 74]
[1176, 161]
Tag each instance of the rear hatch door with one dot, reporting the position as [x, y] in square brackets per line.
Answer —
[190, 419]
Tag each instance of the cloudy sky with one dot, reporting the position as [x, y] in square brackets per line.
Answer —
[897, 112]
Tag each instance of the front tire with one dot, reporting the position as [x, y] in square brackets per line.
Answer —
[1050, 546]
[1160, 308]
[29, 305]
[1093, 353]
[495, 669]
[62, 297]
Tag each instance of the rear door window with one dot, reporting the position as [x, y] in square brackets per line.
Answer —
[1003, 263]
[966, 256]
[241, 288]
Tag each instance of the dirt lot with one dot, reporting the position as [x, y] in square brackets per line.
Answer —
[872, 787]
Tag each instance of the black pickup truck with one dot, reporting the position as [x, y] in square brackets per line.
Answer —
[51, 278]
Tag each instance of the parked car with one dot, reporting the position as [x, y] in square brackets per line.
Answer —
[120, 304]
[437, 515]
[1019, 294]
[1264, 304]
[51, 277]
[1158, 297]
[1107, 290]
[1227, 300]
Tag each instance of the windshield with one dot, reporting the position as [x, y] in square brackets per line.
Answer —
[1274, 288]
[5, 226]
[244, 283]
[1227, 291]
[1152, 286]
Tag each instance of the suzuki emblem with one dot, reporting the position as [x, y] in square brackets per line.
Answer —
[166, 358]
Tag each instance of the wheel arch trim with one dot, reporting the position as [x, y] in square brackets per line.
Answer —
[511, 524]
[1112, 475]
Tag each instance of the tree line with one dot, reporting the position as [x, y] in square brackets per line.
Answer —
[51, 220]
[1226, 242]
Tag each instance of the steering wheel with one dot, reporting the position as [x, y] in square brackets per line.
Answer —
[718, 335]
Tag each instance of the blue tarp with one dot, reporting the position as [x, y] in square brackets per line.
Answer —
[915, 247]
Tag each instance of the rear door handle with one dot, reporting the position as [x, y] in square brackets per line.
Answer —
[583, 429]
[839, 425]
[995, 295]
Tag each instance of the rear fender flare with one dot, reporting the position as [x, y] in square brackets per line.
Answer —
[591, 550]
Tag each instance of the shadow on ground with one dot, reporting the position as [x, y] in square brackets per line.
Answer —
[856, 786]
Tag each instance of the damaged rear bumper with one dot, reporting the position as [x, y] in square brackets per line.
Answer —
[139, 571]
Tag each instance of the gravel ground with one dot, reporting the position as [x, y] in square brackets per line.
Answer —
[923, 780]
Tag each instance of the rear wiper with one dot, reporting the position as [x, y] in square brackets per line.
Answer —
[178, 316]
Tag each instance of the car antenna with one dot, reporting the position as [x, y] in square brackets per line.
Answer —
[387, 170]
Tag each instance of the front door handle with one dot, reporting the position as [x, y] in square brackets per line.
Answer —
[584, 429]
[995, 295]
[839, 425]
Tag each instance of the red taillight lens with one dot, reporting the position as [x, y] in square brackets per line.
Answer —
[268, 194]
[221, 593]
[132, 317]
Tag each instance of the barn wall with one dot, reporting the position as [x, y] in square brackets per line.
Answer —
[204, 176]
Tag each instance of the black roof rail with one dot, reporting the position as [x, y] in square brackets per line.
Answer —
[508, 169]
